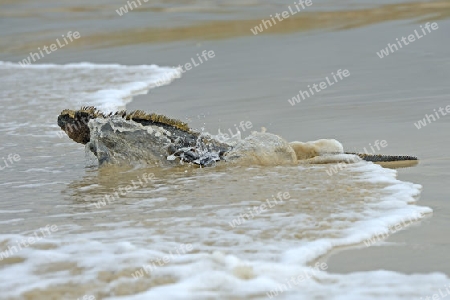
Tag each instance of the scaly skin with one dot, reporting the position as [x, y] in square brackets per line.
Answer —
[75, 123]
[180, 141]
[382, 158]
[174, 139]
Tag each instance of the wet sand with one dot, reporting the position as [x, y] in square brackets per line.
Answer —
[251, 79]
[114, 31]
[381, 100]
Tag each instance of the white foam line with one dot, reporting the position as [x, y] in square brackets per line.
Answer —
[81, 65]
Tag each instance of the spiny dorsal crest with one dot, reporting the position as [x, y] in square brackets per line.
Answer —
[134, 115]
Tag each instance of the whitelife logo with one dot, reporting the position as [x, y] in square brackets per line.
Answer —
[49, 49]
[431, 118]
[281, 17]
[319, 87]
[45, 232]
[391, 48]
[259, 209]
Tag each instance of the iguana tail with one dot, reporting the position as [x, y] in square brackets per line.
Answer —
[383, 158]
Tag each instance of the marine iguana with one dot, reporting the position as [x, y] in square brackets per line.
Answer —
[157, 139]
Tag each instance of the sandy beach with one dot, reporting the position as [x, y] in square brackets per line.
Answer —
[251, 78]
[385, 104]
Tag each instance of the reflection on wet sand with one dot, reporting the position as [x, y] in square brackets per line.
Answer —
[305, 21]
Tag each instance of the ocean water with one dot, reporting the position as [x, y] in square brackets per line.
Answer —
[70, 230]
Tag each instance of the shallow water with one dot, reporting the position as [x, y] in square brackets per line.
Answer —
[183, 224]
[237, 250]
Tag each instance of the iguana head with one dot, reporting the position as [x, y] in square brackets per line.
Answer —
[75, 123]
